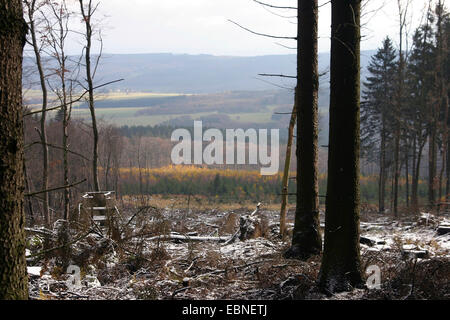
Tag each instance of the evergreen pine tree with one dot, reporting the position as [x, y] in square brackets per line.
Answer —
[376, 111]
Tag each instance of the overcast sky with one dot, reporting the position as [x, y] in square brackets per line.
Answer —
[202, 26]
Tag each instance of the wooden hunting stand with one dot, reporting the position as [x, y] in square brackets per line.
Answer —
[98, 208]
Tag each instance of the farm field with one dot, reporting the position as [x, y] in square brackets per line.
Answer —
[147, 108]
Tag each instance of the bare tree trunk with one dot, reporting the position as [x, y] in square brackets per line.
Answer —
[27, 188]
[341, 263]
[285, 182]
[447, 185]
[402, 12]
[442, 50]
[415, 182]
[382, 179]
[432, 166]
[13, 271]
[31, 6]
[58, 30]
[306, 239]
[396, 168]
[407, 173]
[87, 19]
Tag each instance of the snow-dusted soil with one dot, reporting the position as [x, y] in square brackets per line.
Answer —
[144, 267]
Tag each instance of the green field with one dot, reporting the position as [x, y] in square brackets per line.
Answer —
[128, 116]
[138, 108]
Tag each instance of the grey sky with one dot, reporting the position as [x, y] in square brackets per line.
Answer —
[201, 26]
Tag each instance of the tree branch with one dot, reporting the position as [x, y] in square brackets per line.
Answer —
[54, 189]
[262, 34]
[73, 101]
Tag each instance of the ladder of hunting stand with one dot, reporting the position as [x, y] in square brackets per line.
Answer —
[97, 206]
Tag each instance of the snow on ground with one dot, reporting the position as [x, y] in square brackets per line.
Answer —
[250, 269]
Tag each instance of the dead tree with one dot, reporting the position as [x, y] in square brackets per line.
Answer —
[287, 166]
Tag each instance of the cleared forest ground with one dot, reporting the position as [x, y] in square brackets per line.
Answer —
[413, 258]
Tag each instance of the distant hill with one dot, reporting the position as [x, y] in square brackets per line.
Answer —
[182, 73]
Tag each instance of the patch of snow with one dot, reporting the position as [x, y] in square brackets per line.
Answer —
[34, 271]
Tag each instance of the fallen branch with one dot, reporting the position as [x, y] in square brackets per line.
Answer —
[236, 268]
[179, 290]
[188, 238]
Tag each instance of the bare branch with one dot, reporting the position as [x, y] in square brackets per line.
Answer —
[54, 189]
[262, 34]
[276, 75]
[73, 101]
[55, 147]
[273, 6]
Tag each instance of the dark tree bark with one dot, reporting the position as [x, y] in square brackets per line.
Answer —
[306, 240]
[13, 272]
[341, 265]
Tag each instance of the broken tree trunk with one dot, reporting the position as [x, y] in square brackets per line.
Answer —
[287, 165]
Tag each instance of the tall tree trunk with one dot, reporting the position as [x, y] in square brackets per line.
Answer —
[442, 51]
[413, 171]
[13, 272]
[432, 166]
[65, 133]
[415, 182]
[407, 174]
[396, 168]
[87, 19]
[382, 181]
[341, 264]
[287, 166]
[27, 188]
[43, 131]
[66, 160]
[306, 240]
[447, 185]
